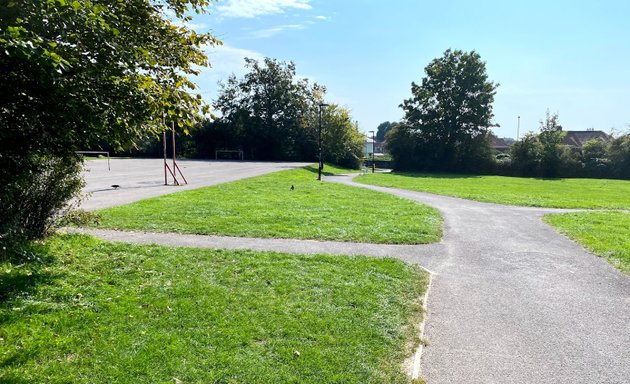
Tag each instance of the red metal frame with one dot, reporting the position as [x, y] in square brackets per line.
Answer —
[175, 168]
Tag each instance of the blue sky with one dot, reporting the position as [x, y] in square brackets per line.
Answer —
[571, 57]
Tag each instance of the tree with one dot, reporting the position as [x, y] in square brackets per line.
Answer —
[382, 129]
[341, 139]
[273, 115]
[270, 110]
[76, 73]
[525, 155]
[619, 155]
[405, 146]
[451, 110]
[595, 158]
[552, 151]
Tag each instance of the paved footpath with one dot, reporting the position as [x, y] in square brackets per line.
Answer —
[512, 301]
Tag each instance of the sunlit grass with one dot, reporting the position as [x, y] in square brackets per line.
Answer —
[266, 206]
[89, 311]
[606, 234]
[330, 169]
[553, 193]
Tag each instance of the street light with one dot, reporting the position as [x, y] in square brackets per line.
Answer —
[518, 127]
[373, 149]
[319, 140]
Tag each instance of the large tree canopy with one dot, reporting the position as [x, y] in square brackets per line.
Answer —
[449, 113]
[79, 72]
[342, 141]
[76, 72]
[272, 114]
[383, 128]
[271, 109]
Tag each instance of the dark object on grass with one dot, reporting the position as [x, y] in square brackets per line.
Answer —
[115, 186]
[292, 187]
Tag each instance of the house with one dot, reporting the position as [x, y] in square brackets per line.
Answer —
[370, 146]
[577, 139]
[498, 144]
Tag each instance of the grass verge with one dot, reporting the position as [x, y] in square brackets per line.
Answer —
[88, 311]
[552, 193]
[606, 234]
[331, 170]
[265, 206]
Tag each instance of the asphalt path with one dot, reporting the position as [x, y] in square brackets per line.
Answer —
[139, 179]
[512, 300]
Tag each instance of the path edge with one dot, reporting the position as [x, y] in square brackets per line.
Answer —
[416, 369]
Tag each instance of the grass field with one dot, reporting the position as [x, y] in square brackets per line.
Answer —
[330, 170]
[87, 311]
[266, 207]
[606, 234]
[553, 193]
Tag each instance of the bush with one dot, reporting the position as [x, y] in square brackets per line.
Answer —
[525, 156]
[35, 195]
[351, 161]
[619, 155]
[595, 158]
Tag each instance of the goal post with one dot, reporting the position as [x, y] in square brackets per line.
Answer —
[109, 168]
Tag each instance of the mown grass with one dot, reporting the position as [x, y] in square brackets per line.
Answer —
[330, 170]
[88, 311]
[266, 207]
[606, 234]
[552, 193]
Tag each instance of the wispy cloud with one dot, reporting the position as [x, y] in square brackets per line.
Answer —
[253, 8]
[224, 61]
[270, 32]
[197, 27]
[321, 17]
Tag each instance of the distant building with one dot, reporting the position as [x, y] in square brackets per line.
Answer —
[498, 144]
[370, 146]
[577, 139]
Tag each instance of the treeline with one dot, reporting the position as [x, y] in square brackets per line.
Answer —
[447, 128]
[536, 156]
[270, 114]
[540, 154]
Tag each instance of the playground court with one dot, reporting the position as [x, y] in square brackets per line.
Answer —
[137, 179]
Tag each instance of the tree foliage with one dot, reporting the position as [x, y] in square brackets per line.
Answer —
[525, 156]
[76, 73]
[450, 113]
[270, 109]
[383, 128]
[341, 140]
[619, 156]
[552, 152]
[273, 115]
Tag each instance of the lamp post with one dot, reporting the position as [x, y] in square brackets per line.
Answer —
[319, 140]
[518, 128]
[373, 149]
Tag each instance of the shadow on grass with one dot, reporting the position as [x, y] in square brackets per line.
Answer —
[436, 175]
[313, 168]
[464, 176]
[12, 379]
[24, 271]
